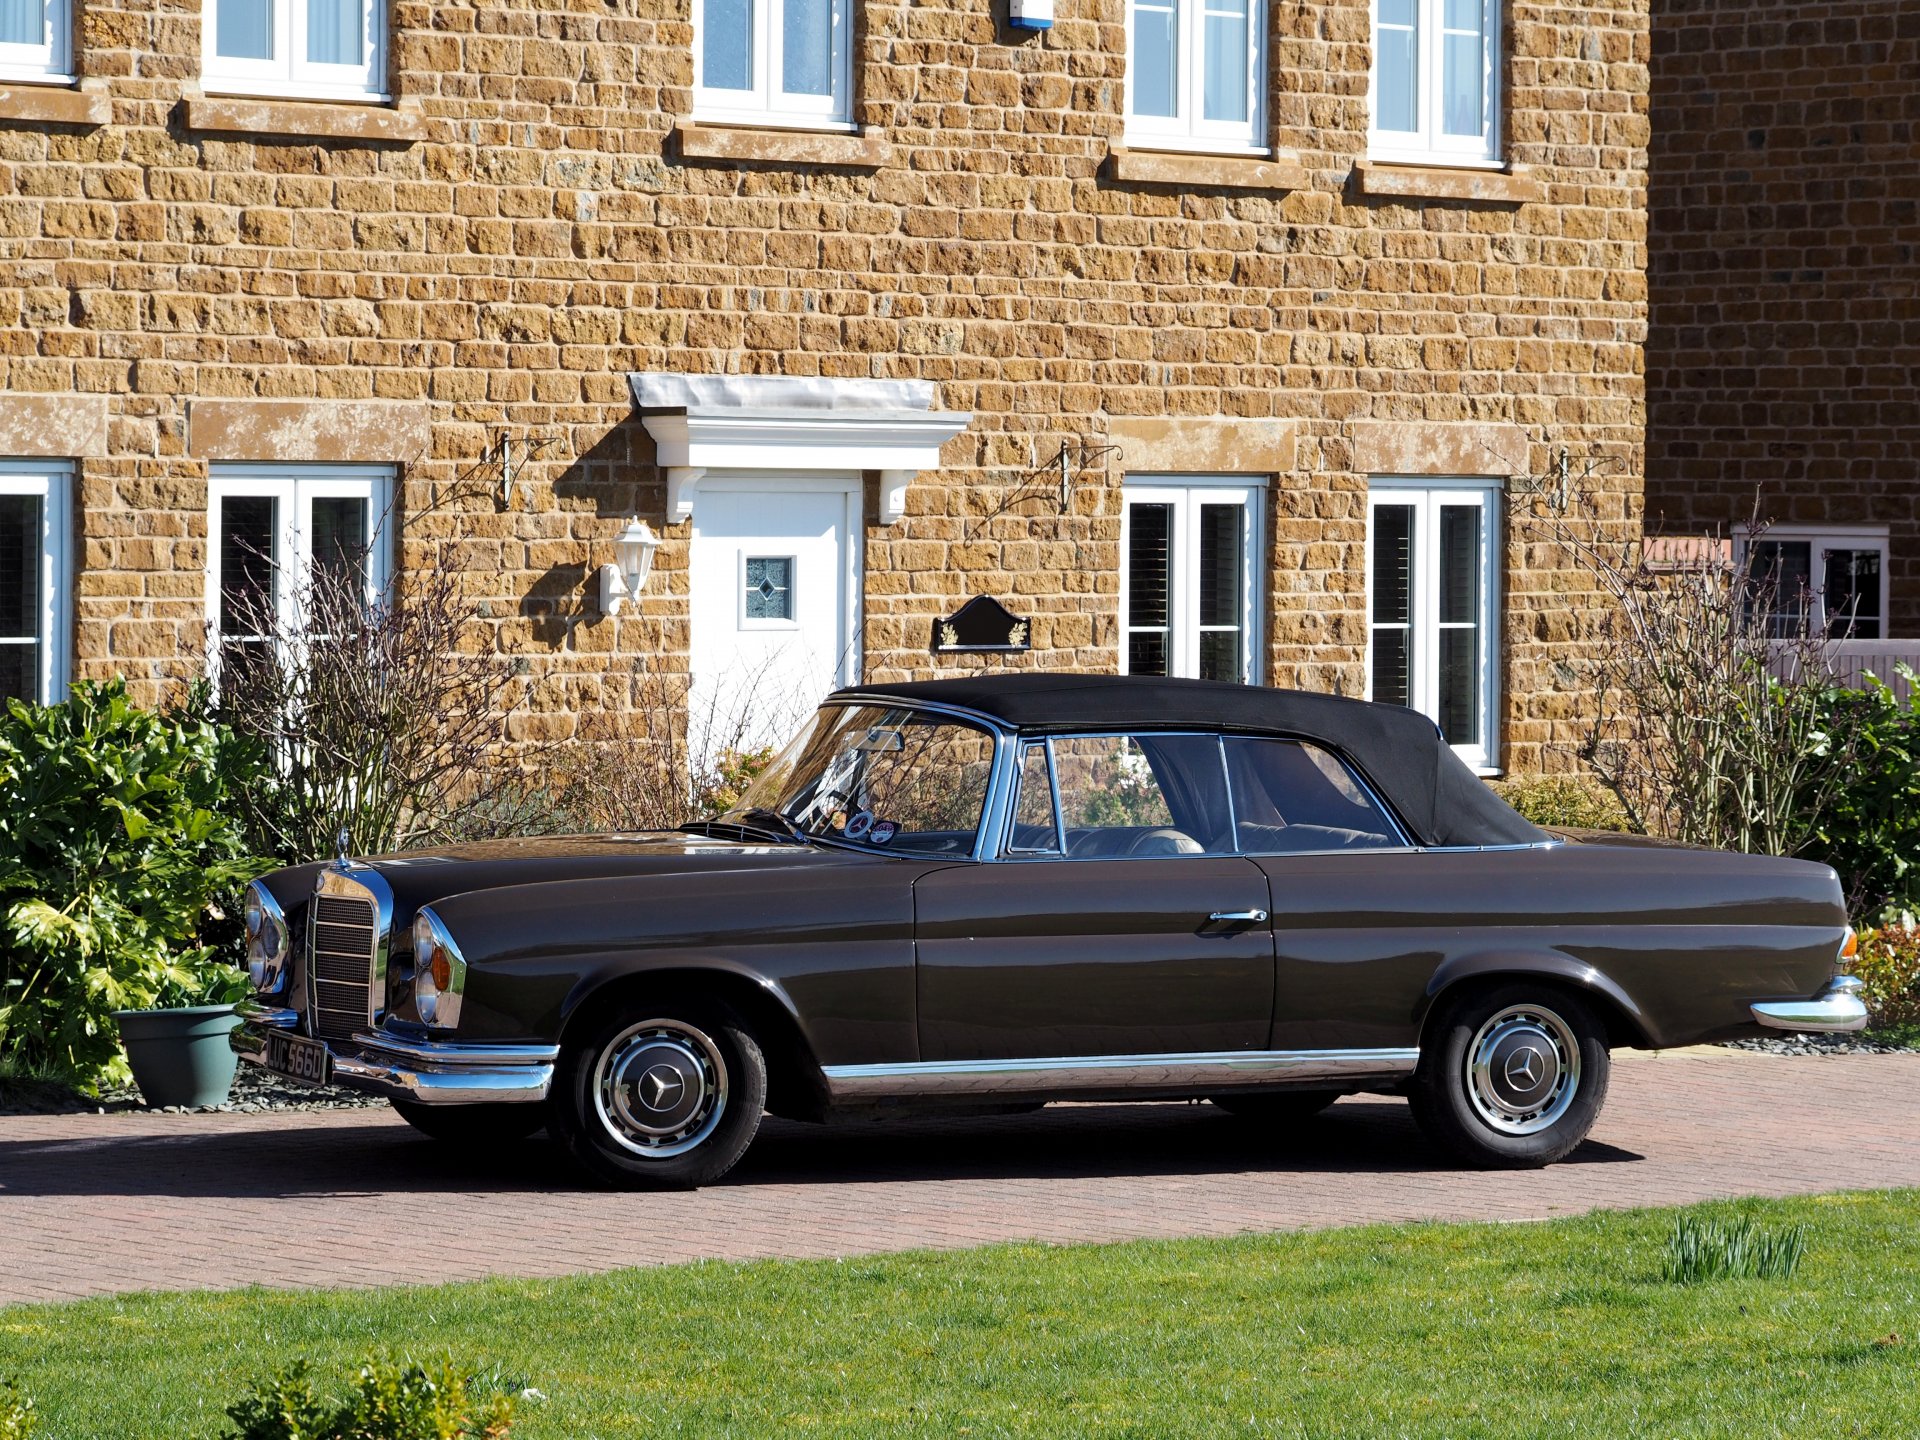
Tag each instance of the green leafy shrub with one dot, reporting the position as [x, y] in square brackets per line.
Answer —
[16, 1413]
[120, 862]
[1888, 966]
[388, 1402]
[1702, 1249]
[1867, 824]
[1572, 802]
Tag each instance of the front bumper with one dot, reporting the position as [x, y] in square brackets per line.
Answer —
[1838, 1007]
[427, 1072]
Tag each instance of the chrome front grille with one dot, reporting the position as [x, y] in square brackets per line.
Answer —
[345, 951]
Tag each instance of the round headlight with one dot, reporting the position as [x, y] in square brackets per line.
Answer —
[268, 944]
[439, 973]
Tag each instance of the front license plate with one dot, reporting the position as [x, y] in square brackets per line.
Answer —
[298, 1058]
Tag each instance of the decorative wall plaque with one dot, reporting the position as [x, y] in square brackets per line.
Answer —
[983, 624]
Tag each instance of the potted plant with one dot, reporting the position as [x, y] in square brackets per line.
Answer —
[120, 852]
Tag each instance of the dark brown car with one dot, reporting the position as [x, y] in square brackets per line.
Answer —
[1003, 891]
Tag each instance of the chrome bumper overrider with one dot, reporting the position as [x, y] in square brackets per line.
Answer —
[428, 1072]
[1837, 1007]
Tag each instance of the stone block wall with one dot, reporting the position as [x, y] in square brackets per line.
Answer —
[532, 221]
[1784, 324]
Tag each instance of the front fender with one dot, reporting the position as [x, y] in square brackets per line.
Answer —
[1546, 964]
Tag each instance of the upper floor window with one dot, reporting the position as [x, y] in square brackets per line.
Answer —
[36, 40]
[1197, 74]
[784, 62]
[34, 539]
[1436, 80]
[1830, 582]
[320, 49]
[274, 531]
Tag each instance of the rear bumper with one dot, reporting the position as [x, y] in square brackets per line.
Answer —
[1837, 1008]
[427, 1072]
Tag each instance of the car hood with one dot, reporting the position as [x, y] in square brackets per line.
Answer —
[420, 877]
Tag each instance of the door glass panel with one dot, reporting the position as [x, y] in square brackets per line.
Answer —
[20, 524]
[1155, 57]
[1852, 592]
[1464, 67]
[769, 588]
[243, 29]
[335, 32]
[806, 47]
[1150, 533]
[1226, 45]
[726, 44]
[1460, 543]
[1290, 796]
[1222, 585]
[1033, 830]
[1141, 795]
[1392, 603]
[1396, 45]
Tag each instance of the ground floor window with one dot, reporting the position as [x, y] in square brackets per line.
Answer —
[34, 542]
[1188, 594]
[272, 529]
[1433, 596]
[1832, 581]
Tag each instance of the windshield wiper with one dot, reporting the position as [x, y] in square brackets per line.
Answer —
[749, 823]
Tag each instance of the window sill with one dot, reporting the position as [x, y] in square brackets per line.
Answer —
[47, 103]
[1198, 170]
[869, 149]
[319, 120]
[1511, 186]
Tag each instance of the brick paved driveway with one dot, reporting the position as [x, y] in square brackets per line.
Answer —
[94, 1204]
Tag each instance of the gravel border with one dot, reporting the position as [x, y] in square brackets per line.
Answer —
[1820, 1045]
[255, 1091]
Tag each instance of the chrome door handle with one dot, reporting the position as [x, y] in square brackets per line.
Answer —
[1221, 917]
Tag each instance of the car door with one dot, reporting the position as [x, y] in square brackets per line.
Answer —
[1118, 923]
[1351, 960]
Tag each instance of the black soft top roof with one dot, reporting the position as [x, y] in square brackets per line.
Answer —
[1399, 751]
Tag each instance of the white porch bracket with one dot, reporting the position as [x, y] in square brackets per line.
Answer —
[796, 425]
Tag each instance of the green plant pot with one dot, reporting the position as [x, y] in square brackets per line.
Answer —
[180, 1057]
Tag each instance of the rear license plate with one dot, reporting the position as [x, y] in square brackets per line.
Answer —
[298, 1058]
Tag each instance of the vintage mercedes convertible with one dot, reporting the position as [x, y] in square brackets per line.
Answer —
[1002, 891]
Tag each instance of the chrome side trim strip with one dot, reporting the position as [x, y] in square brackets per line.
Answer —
[1174, 1072]
[1837, 1009]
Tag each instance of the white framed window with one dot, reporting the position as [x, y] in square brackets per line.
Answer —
[35, 580]
[268, 527]
[1197, 74]
[36, 41]
[1189, 605]
[312, 49]
[1434, 92]
[1433, 585]
[1832, 578]
[774, 62]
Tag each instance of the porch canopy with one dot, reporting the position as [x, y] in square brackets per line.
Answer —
[795, 424]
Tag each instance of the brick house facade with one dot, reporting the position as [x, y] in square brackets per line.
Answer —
[1784, 325]
[1176, 400]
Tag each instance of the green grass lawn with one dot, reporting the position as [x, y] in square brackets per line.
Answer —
[1560, 1329]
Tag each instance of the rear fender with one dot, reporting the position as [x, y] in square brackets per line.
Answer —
[1627, 1022]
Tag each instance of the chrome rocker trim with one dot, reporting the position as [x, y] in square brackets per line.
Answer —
[1837, 1008]
[1204, 1070]
[427, 1072]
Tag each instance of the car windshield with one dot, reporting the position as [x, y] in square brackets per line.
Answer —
[886, 776]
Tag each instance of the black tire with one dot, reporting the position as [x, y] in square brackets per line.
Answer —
[1286, 1107]
[472, 1124]
[1544, 1079]
[660, 1095]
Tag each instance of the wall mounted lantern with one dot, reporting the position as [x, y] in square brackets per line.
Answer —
[627, 577]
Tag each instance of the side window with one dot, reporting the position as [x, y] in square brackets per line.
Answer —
[1033, 830]
[1291, 796]
[1126, 795]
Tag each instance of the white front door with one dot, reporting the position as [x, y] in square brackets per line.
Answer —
[774, 600]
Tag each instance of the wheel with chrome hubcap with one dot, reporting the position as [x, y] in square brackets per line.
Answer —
[662, 1096]
[1511, 1076]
